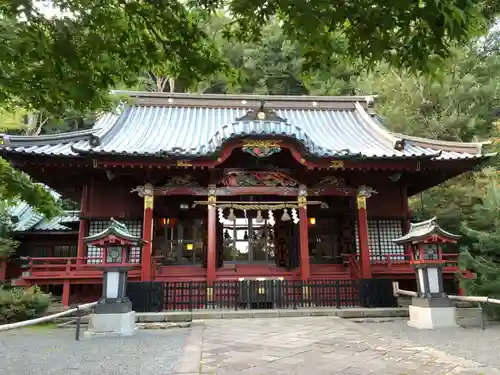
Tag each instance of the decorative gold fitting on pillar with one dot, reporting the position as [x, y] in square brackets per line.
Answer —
[210, 294]
[302, 198]
[148, 201]
[212, 200]
[363, 193]
[302, 202]
[212, 197]
[361, 201]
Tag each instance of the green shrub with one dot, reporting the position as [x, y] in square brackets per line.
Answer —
[18, 304]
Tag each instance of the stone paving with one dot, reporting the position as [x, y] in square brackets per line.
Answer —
[312, 346]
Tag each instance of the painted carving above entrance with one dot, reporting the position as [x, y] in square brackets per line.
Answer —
[255, 179]
[175, 185]
[261, 148]
[185, 180]
[332, 183]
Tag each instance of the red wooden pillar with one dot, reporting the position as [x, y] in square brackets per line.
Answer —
[406, 208]
[364, 250]
[304, 234]
[212, 240]
[147, 234]
[81, 247]
[66, 293]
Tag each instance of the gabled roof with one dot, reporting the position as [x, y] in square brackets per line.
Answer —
[425, 229]
[188, 125]
[117, 229]
[25, 219]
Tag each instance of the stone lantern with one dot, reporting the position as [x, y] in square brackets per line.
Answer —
[113, 314]
[431, 308]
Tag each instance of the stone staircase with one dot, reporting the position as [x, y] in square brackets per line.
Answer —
[64, 321]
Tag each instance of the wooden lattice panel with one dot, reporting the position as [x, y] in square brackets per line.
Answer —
[381, 232]
[96, 226]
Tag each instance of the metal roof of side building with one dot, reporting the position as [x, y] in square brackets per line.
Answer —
[25, 219]
[190, 125]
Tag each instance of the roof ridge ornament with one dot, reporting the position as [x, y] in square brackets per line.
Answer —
[261, 114]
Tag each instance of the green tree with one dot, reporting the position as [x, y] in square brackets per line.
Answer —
[483, 256]
[459, 103]
[16, 185]
[7, 244]
[71, 61]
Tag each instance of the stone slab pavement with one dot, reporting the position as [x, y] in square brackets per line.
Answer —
[311, 346]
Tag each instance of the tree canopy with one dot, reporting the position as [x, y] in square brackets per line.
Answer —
[482, 256]
[70, 61]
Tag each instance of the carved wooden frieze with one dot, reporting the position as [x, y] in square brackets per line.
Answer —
[332, 185]
[175, 185]
[257, 179]
[257, 190]
[184, 181]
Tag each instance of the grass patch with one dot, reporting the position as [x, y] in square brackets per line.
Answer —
[42, 327]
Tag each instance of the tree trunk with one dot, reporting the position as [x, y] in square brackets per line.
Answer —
[35, 122]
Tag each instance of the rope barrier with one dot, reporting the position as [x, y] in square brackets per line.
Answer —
[48, 318]
[480, 300]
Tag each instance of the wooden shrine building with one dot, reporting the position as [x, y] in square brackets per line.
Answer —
[224, 187]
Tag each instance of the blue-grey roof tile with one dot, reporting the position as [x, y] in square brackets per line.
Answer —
[165, 128]
[24, 218]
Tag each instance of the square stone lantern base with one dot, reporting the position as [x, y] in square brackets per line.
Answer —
[432, 313]
[111, 325]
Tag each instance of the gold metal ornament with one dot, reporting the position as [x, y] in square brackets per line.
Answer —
[261, 143]
[361, 201]
[302, 201]
[184, 163]
[336, 164]
[212, 200]
[148, 201]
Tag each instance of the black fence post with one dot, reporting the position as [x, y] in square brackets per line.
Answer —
[377, 293]
[295, 294]
[338, 297]
[236, 294]
[78, 323]
[190, 295]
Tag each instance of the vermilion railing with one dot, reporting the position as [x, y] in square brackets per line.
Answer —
[395, 261]
[353, 265]
[69, 265]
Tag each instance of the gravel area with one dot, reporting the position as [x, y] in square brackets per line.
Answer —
[54, 351]
[468, 342]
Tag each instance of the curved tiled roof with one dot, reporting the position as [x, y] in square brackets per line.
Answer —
[422, 230]
[25, 219]
[186, 125]
[117, 229]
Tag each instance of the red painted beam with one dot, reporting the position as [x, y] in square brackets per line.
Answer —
[147, 235]
[304, 244]
[364, 248]
[212, 244]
